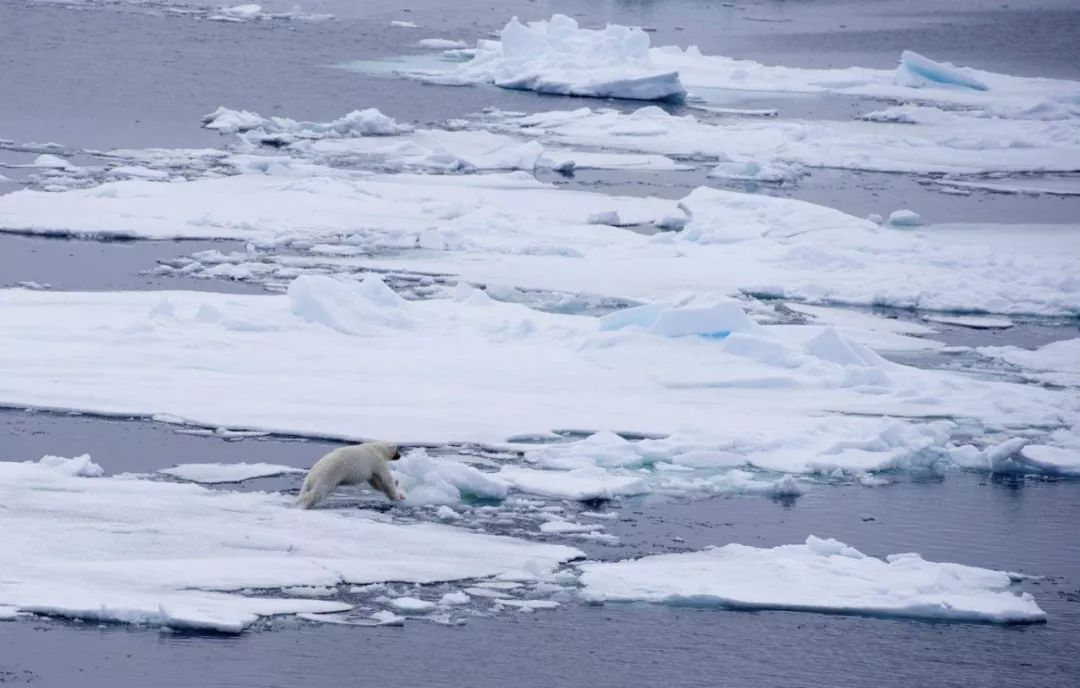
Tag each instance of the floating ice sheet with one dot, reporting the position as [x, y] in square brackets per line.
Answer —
[354, 361]
[509, 229]
[909, 139]
[130, 550]
[824, 576]
[557, 56]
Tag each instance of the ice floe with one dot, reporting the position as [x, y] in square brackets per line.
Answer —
[130, 550]
[212, 473]
[510, 229]
[958, 143]
[558, 56]
[822, 575]
[354, 360]
[368, 136]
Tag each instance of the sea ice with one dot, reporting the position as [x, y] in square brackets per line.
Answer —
[578, 484]
[917, 71]
[211, 473]
[411, 604]
[943, 142]
[558, 57]
[818, 576]
[132, 550]
[440, 43]
[904, 218]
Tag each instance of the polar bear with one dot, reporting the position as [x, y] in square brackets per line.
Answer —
[352, 465]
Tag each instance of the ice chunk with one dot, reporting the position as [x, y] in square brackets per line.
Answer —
[529, 604]
[388, 618]
[81, 466]
[412, 604]
[52, 162]
[560, 527]
[774, 172]
[429, 480]
[818, 576]
[557, 56]
[1052, 460]
[975, 322]
[832, 346]
[917, 71]
[211, 473]
[904, 218]
[718, 320]
[368, 122]
[402, 24]
[1061, 356]
[440, 43]
[574, 484]
[453, 599]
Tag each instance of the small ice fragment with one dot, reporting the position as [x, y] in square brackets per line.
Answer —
[559, 527]
[440, 43]
[447, 514]
[412, 604]
[399, 24]
[904, 218]
[453, 599]
[875, 218]
[529, 604]
[388, 618]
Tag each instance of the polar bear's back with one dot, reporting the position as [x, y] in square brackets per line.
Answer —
[347, 465]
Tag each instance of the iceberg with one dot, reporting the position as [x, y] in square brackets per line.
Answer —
[822, 575]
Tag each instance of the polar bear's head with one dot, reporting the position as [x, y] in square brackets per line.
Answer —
[387, 450]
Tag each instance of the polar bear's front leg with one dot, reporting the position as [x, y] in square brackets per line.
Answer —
[383, 481]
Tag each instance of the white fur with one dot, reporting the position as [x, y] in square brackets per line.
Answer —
[353, 465]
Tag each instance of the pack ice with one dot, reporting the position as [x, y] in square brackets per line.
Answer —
[822, 575]
[131, 550]
[354, 360]
[557, 56]
[509, 229]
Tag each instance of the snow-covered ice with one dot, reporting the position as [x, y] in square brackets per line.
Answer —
[920, 140]
[132, 550]
[559, 57]
[441, 43]
[290, 363]
[510, 229]
[211, 473]
[818, 576]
